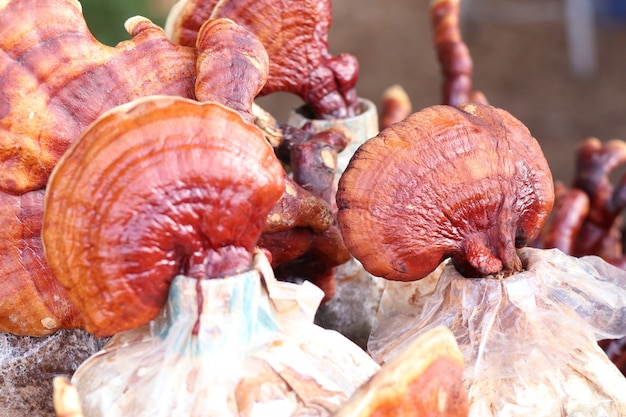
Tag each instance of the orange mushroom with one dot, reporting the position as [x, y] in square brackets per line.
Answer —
[295, 35]
[171, 187]
[32, 302]
[469, 183]
[57, 78]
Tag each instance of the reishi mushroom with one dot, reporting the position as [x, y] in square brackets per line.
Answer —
[587, 218]
[159, 248]
[424, 379]
[453, 55]
[232, 66]
[172, 186]
[32, 302]
[57, 78]
[295, 35]
[467, 182]
[301, 231]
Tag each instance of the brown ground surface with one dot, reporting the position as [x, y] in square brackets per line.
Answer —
[520, 62]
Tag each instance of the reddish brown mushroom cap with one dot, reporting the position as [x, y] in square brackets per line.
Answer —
[468, 183]
[232, 66]
[158, 187]
[32, 301]
[57, 78]
[295, 35]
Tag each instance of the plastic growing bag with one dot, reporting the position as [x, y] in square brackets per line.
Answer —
[256, 353]
[529, 341]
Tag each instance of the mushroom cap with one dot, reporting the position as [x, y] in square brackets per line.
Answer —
[154, 188]
[32, 301]
[232, 66]
[57, 78]
[467, 182]
[295, 35]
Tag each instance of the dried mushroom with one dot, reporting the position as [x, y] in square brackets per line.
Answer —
[469, 183]
[172, 186]
[295, 35]
[57, 78]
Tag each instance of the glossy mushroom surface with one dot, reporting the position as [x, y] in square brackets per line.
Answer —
[232, 66]
[32, 301]
[295, 35]
[57, 79]
[469, 183]
[159, 187]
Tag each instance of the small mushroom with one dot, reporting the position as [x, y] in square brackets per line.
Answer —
[395, 106]
[32, 302]
[57, 79]
[295, 35]
[172, 187]
[587, 217]
[469, 183]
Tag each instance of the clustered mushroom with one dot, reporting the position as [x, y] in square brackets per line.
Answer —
[57, 79]
[587, 217]
[301, 231]
[295, 35]
[172, 186]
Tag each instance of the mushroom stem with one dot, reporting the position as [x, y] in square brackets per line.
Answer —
[453, 54]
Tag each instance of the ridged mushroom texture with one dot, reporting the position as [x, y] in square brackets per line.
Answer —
[32, 302]
[57, 79]
[468, 183]
[295, 35]
[158, 187]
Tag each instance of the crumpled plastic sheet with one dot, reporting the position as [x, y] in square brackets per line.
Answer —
[257, 353]
[529, 340]
[28, 365]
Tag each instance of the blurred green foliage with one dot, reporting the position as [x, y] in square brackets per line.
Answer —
[106, 18]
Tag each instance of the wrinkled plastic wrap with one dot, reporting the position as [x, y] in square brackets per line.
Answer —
[28, 365]
[256, 353]
[529, 340]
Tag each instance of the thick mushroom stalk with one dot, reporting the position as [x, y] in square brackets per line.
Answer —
[587, 218]
[57, 79]
[453, 55]
[301, 231]
[171, 187]
[295, 35]
[469, 183]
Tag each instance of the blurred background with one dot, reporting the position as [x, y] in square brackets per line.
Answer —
[557, 65]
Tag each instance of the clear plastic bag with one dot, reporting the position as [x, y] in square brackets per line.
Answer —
[529, 340]
[256, 353]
